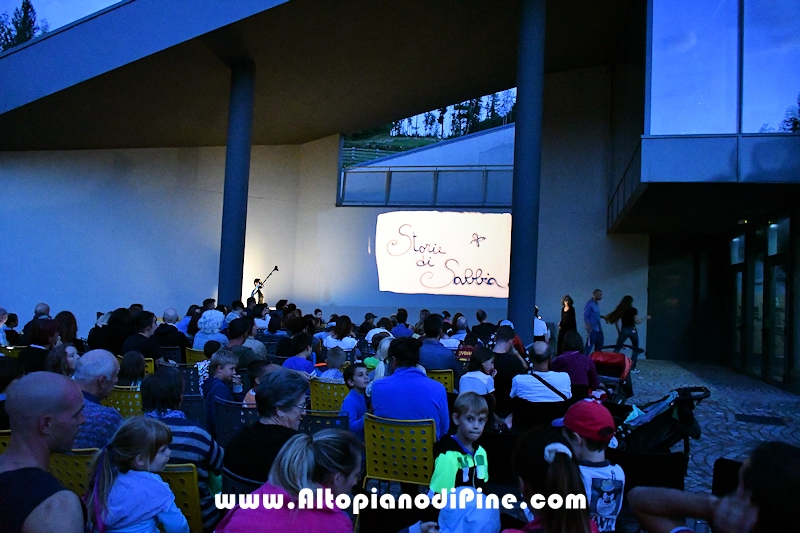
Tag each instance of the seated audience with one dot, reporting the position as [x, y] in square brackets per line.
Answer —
[96, 374]
[402, 329]
[484, 329]
[9, 330]
[545, 466]
[589, 427]
[3, 319]
[167, 334]
[294, 327]
[542, 385]
[419, 327]
[257, 371]
[68, 330]
[372, 361]
[183, 324]
[43, 337]
[769, 488]
[574, 362]
[141, 341]
[222, 383]
[368, 324]
[209, 325]
[10, 370]
[261, 316]
[508, 364]
[301, 347]
[238, 330]
[467, 346]
[460, 327]
[479, 377]
[517, 342]
[281, 402]
[408, 394]
[40, 311]
[124, 492]
[162, 394]
[210, 348]
[62, 359]
[330, 458]
[111, 337]
[433, 355]
[131, 370]
[45, 410]
[459, 462]
[334, 362]
[341, 335]
[257, 346]
[384, 326]
[356, 402]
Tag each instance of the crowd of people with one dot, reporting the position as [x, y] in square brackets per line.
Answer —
[51, 398]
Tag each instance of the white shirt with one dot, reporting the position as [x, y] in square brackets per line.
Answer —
[540, 328]
[375, 331]
[529, 388]
[451, 343]
[460, 336]
[604, 488]
[346, 344]
[477, 382]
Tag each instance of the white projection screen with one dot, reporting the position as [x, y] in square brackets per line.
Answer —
[432, 252]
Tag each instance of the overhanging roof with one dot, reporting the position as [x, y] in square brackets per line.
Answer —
[149, 73]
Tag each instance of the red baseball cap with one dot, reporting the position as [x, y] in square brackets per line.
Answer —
[589, 419]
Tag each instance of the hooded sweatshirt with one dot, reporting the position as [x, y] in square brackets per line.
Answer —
[139, 501]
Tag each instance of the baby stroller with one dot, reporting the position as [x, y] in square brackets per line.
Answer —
[613, 370]
[661, 424]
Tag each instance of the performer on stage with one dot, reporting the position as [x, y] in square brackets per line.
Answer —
[257, 291]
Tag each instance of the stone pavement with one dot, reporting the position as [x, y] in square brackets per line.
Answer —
[731, 394]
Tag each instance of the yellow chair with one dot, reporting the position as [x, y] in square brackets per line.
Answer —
[194, 356]
[5, 436]
[72, 469]
[327, 396]
[182, 479]
[149, 366]
[126, 400]
[11, 351]
[399, 450]
[445, 377]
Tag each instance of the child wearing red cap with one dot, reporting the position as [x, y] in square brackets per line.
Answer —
[589, 427]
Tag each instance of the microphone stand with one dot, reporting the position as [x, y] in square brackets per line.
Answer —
[263, 281]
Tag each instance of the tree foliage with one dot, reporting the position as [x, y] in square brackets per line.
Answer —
[21, 27]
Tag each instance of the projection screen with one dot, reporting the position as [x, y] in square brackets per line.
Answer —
[432, 252]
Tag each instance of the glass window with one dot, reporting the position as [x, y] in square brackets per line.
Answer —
[737, 250]
[464, 187]
[498, 187]
[365, 187]
[771, 66]
[694, 66]
[778, 237]
[411, 188]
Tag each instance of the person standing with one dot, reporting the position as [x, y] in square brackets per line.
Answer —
[625, 318]
[568, 322]
[591, 319]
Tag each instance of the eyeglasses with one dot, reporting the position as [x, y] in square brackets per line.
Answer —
[301, 407]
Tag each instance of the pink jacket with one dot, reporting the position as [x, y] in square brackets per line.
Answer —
[283, 520]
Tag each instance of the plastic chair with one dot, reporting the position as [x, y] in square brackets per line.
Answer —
[399, 450]
[182, 480]
[314, 421]
[445, 377]
[126, 400]
[172, 352]
[194, 408]
[5, 436]
[11, 351]
[327, 396]
[529, 415]
[194, 356]
[72, 469]
[191, 379]
[149, 366]
[230, 418]
[233, 484]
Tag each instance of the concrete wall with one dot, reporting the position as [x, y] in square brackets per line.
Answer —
[94, 230]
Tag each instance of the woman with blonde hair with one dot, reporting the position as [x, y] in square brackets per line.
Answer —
[330, 459]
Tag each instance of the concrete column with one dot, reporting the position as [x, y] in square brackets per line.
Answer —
[237, 180]
[527, 168]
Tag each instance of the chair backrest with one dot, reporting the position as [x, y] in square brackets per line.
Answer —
[191, 379]
[399, 450]
[529, 415]
[11, 351]
[276, 360]
[327, 396]
[149, 366]
[172, 352]
[230, 417]
[314, 421]
[194, 356]
[5, 436]
[182, 480]
[233, 484]
[666, 470]
[126, 400]
[271, 347]
[193, 407]
[726, 476]
[72, 469]
[445, 377]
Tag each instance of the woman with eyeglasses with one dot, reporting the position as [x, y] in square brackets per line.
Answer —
[281, 402]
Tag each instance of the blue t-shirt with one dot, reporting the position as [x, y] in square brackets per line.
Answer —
[299, 363]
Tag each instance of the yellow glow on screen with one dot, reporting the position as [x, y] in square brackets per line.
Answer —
[430, 252]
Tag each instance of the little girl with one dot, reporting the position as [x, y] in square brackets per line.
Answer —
[123, 494]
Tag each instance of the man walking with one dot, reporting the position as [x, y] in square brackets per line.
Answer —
[592, 320]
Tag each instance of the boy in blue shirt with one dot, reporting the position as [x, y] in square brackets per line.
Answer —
[355, 403]
[301, 347]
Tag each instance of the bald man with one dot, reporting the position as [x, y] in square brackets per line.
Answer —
[542, 385]
[96, 373]
[45, 410]
[167, 334]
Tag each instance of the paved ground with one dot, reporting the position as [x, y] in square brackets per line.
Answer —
[731, 394]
